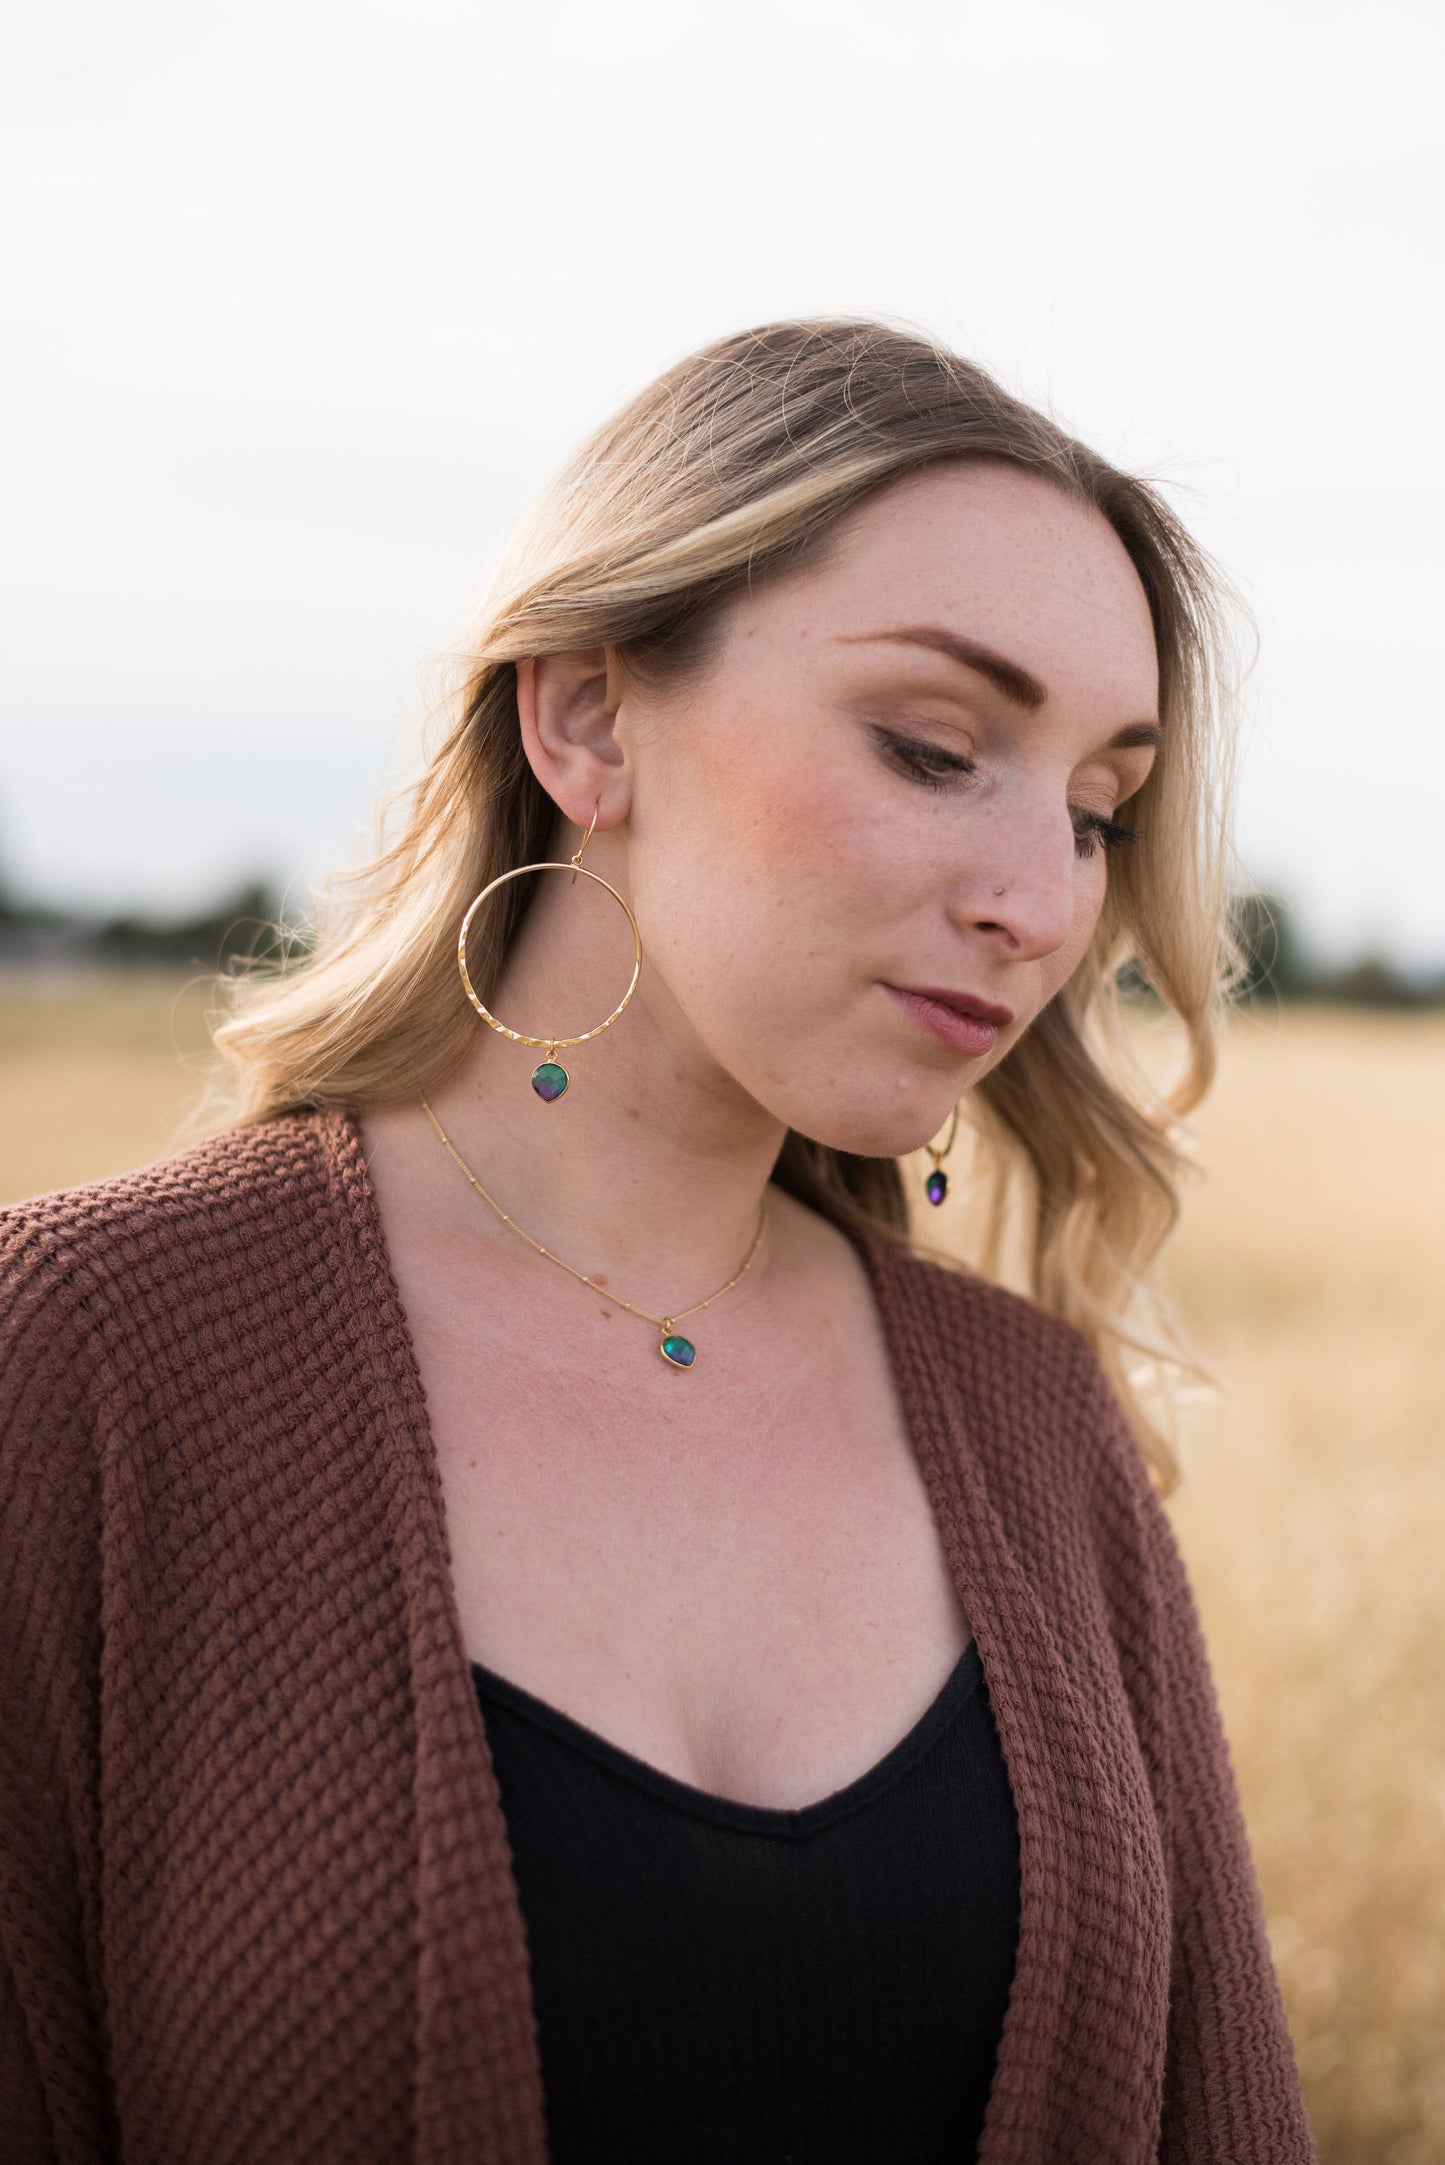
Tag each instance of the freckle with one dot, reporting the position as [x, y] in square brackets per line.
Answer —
[599, 1277]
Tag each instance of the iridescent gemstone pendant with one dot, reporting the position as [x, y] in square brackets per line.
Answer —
[680, 1351]
[549, 1080]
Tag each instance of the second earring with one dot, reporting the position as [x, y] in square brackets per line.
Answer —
[549, 1078]
[936, 1185]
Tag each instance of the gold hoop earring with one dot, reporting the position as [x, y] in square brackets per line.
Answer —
[936, 1185]
[549, 1077]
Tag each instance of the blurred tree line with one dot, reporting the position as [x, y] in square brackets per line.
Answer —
[1266, 930]
[245, 925]
[1277, 966]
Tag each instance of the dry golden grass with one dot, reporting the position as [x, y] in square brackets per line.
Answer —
[1312, 1266]
[97, 1072]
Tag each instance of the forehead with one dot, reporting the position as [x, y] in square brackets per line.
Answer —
[996, 555]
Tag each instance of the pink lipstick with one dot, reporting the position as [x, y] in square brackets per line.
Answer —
[956, 1019]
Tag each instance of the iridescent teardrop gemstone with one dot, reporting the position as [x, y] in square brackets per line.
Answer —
[679, 1350]
[936, 1186]
[549, 1080]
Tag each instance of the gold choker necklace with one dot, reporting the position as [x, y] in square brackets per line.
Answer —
[680, 1352]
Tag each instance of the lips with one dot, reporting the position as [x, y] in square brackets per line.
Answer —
[963, 1003]
[955, 1019]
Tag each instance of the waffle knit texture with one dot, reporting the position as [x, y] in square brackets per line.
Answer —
[256, 1895]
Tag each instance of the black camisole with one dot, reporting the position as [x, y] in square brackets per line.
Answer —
[732, 1984]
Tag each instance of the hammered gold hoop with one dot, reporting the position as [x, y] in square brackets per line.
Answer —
[573, 865]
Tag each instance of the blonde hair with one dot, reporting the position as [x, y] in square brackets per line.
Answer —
[732, 466]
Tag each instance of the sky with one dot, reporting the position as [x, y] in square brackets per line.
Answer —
[307, 301]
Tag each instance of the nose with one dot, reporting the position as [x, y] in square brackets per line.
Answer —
[1030, 855]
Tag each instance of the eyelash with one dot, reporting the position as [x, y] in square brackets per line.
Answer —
[1097, 830]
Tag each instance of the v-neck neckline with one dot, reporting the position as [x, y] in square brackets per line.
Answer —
[781, 1822]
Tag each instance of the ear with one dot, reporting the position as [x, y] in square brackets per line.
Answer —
[567, 705]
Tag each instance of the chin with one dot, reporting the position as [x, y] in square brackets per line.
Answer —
[893, 1108]
[873, 1135]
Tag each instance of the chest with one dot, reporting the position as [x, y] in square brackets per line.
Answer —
[734, 1573]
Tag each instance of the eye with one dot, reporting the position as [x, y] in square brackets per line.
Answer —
[936, 769]
[1092, 832]
[926, 763]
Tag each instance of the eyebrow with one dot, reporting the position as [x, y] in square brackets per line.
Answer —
[1009, 678]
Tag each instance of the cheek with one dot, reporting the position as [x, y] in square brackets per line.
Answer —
[767, 871]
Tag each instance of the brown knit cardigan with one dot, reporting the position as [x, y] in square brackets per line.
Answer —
[256, 1899]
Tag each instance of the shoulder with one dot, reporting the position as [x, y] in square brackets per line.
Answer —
[102, 1258]
[115, 1298]
[162, 1326]
[1028, 1386]
[952, 1313]
[137, 1219]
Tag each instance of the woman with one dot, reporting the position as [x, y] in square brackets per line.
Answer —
[541, 1623]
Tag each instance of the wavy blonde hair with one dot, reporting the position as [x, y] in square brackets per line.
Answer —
[732, 466]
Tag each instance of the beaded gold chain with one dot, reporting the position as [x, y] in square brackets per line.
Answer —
[680, 1352]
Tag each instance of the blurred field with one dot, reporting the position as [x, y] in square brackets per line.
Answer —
[96, 1074]
[1312, 1266]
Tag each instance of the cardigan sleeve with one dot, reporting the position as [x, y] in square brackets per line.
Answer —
[1231, 2082]
[55, 2104]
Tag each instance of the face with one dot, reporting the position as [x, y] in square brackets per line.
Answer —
[894, 777]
